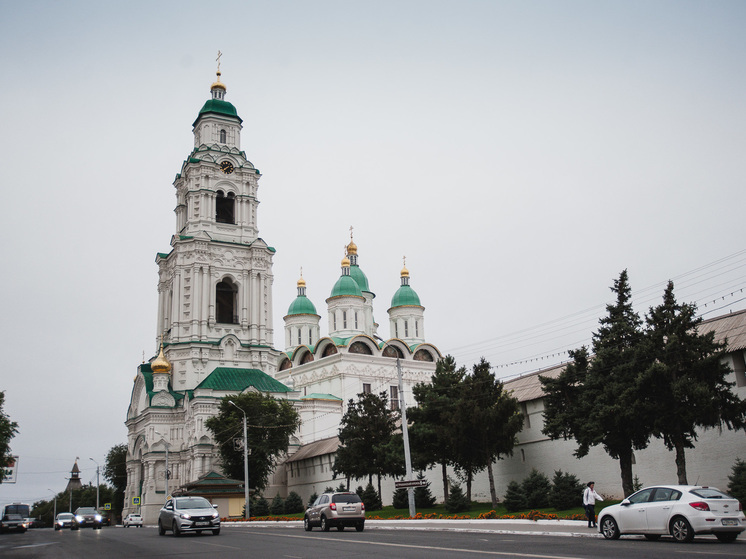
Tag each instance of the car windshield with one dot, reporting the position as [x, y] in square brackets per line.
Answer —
[192, 503]
[64, 515]
[13, 517]
[709, 493]
[346, 498]
[86, 510]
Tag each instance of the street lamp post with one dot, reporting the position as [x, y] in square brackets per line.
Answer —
[245, 461]
[97, 482]
[166, 474]
[54, 514]
[405, 434]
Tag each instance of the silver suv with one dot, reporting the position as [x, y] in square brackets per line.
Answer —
[335, 509]
[188, 514]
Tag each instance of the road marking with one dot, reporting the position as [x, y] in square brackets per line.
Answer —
[449, 549]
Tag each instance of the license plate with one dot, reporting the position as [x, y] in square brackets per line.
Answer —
[201, 523]
[348, 509]
[730, 522]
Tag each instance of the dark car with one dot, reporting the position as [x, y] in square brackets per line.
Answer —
[12, 523]
[188, 514]
[87, 517]
[338, 510]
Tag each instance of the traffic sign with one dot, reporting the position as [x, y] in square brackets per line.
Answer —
[107, 506]
[410, 483]
[136, 501]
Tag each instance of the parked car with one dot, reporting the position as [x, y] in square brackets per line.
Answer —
[188, 514]
[338, 509]
[64, 520]
[132, 520]
[87, 516]
[682, 511]
[12, 523]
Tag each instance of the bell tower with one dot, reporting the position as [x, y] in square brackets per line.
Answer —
[215, 285]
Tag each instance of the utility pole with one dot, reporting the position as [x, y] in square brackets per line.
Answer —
[97, 482]
[245, 461]
[54, 514]
[405, 436]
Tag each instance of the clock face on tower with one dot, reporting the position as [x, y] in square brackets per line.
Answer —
[226, 167]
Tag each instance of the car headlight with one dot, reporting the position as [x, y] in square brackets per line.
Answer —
[185, 516]
[215, 515]
[79, 518]
[98, 518]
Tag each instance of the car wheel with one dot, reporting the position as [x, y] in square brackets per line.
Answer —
[360, 527]
[324, 524]
[652, 537]
[681, 530]
[175, 528]
[609, 528]
[161, 529]
[307, 524]
[56, 528]
[216, 532]
[727, 537]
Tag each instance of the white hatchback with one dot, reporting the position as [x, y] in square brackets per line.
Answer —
[682, 511]
[132, 520]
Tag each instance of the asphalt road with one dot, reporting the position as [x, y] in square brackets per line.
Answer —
[290, 541]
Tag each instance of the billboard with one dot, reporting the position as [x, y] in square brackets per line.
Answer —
[11, 470]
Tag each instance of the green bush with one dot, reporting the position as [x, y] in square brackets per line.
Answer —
[278, 506]
[371, 499]
[401, 499]
[342, 488]
[423, 498]
[536, 488]
[313, 498]
[259, 507]
[457, 501]
[566, 492]
[737, 484]
[293, 503]
[515, 498]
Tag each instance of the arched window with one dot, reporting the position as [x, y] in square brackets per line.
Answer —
[329, 350]
[286, 364]
[307, 358]
[422, 355]
[225, 207]
[222, 136]
[360, 347]
[392, 351]
[226, 308]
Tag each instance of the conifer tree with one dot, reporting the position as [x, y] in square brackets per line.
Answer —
[597, 402]
[685, 386]
[8, 430]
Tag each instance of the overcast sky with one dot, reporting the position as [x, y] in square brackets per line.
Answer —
[519, 154]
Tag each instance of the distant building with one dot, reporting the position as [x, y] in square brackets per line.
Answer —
[74, 483]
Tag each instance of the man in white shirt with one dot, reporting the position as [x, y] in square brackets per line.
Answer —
[589, 502]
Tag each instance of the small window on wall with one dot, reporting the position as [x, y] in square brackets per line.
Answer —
[223, 136]
[299, 337]
[406, 329]
[310, 336]
[225, 207]
[344, 319]
[366, 388]
[356, 320]
[394, 391]
[226, 309]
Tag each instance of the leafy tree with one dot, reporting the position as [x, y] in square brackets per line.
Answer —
[278, 505]
[515, 498]
[365, 437]
[271, 423]
[536, 488]
[566, 492]
[486, 421]
[115, 472]
[737, 484]
[598, 402]
[457, 501]
[686, 384]
[8, 430]
[293, 503]
[433, 430]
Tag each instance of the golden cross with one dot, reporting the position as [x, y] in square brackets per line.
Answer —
[350, 232]
[218, 59]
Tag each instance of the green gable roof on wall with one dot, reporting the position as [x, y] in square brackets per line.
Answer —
[238, 380]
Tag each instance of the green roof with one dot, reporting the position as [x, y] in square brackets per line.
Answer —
[346, 285]
[238, 380]
[301, 305]
[405, 296]
[220, 107]
[316, 396]
[147, 375]
[359, 276]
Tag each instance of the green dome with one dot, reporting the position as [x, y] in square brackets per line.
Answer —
[359, 276]
[405, 296]
[301, 305]
[346, 286]
[218, 106]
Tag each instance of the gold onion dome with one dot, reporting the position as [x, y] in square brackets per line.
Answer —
[345, 262]
[352, 248]
[404, 272]
[160, 364]
[301, 282]
[218, 83]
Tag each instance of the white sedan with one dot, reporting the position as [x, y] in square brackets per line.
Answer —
[132, 520]
[682, 511]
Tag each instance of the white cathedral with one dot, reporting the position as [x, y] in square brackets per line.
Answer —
[215, 326]
[216, 339]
